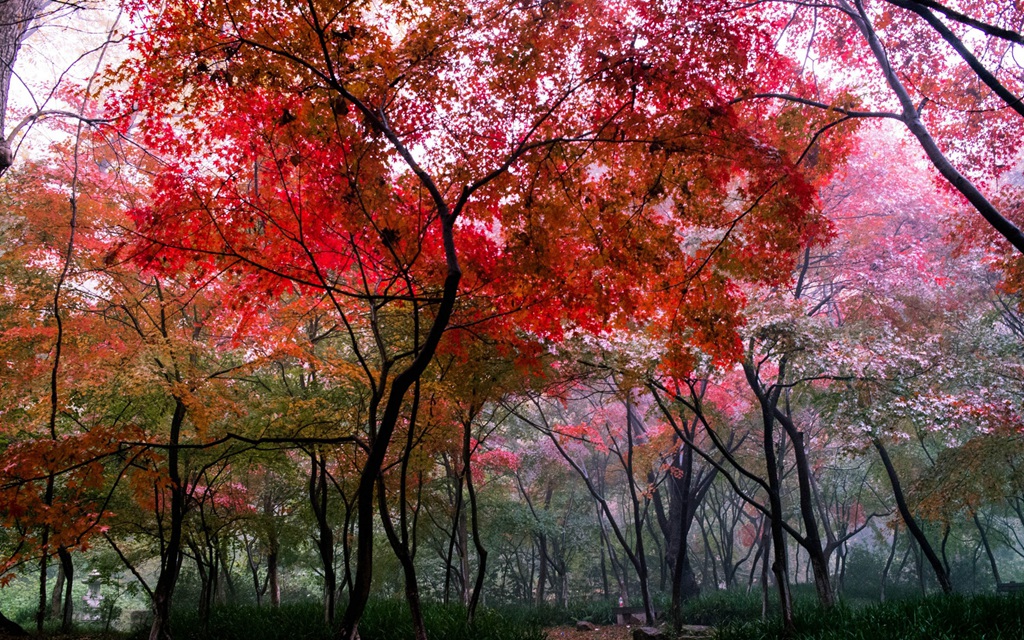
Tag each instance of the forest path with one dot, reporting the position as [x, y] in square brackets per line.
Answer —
[603, 632]
[619, 632]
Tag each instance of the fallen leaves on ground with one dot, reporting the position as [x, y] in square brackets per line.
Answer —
[603, 632]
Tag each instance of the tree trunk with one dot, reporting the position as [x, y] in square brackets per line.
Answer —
[205, 584]
[44, 558]
[910, 521]
[273, 578]
[888, 565]
[462, 546]
[988, 550]
[16, 18]
[170, 558]
[227, 592]
[401, 549]
[273, 551]
[812, 537]
[453, 538]
[67, 569]
[481, 552]
[325, 535]
[10, 628]
[363, 581]
[57, 599]
[779, 560]
[542, 570]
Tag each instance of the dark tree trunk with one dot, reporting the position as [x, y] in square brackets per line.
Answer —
[273, 577]
[325, 535]
[778, 534]
[226, 590]
[44, 558]
[458, 527]
[171, 552]
[542, 569]
[359, 594]
[57, 599]
[401, 549]
[988, 550]
[16, 17]
[812, 538]
[205, 585]
[346, 550]
[481, 552]
[403, 540]
[462, 547]
[888, 565]
[910, 521]
[10, 628]
[67, 569]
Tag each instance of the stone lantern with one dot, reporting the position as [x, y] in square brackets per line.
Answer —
[93, 598]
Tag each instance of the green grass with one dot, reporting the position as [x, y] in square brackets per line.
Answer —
[390, 620]
[722, 607]
[956, 617]
[383, 620]
[736, 614]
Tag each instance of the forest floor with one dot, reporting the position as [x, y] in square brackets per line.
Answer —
[620, 632]
[616, 632]
[603, 632]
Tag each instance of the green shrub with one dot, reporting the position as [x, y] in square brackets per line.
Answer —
[383, 620]
[715, 608]
[390, 620]
[288, 622]
[954, 617]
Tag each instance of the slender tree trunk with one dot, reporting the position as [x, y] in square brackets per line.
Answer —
[680, 532]
[227, 592]
[542, 569]
[604, 575]
[44, 560]
[204, 585]
[346, 550]
[401, 549]
[171, 556]
[10, 628]
[778, 535]
[363, 581]
[68, 569]
[640, 561]
[253, 569]
[273, 577]
[449, 568]
[911, 117]
[57, 598]
[768, 401]
[462, 547]
[988, 550]
[16, 17]
[481, 552]
[888, 565]
[325, 535]
[910, 521]
[812, 538]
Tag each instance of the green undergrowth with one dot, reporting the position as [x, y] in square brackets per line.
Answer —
[383, 620]
[955, 617]
[723, 607]
[736, 616]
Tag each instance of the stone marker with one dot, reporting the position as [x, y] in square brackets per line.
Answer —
[648, 633]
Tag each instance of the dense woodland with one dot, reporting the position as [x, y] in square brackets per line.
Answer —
[533, 302]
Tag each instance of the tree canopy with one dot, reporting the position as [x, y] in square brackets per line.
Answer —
[476, 288]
